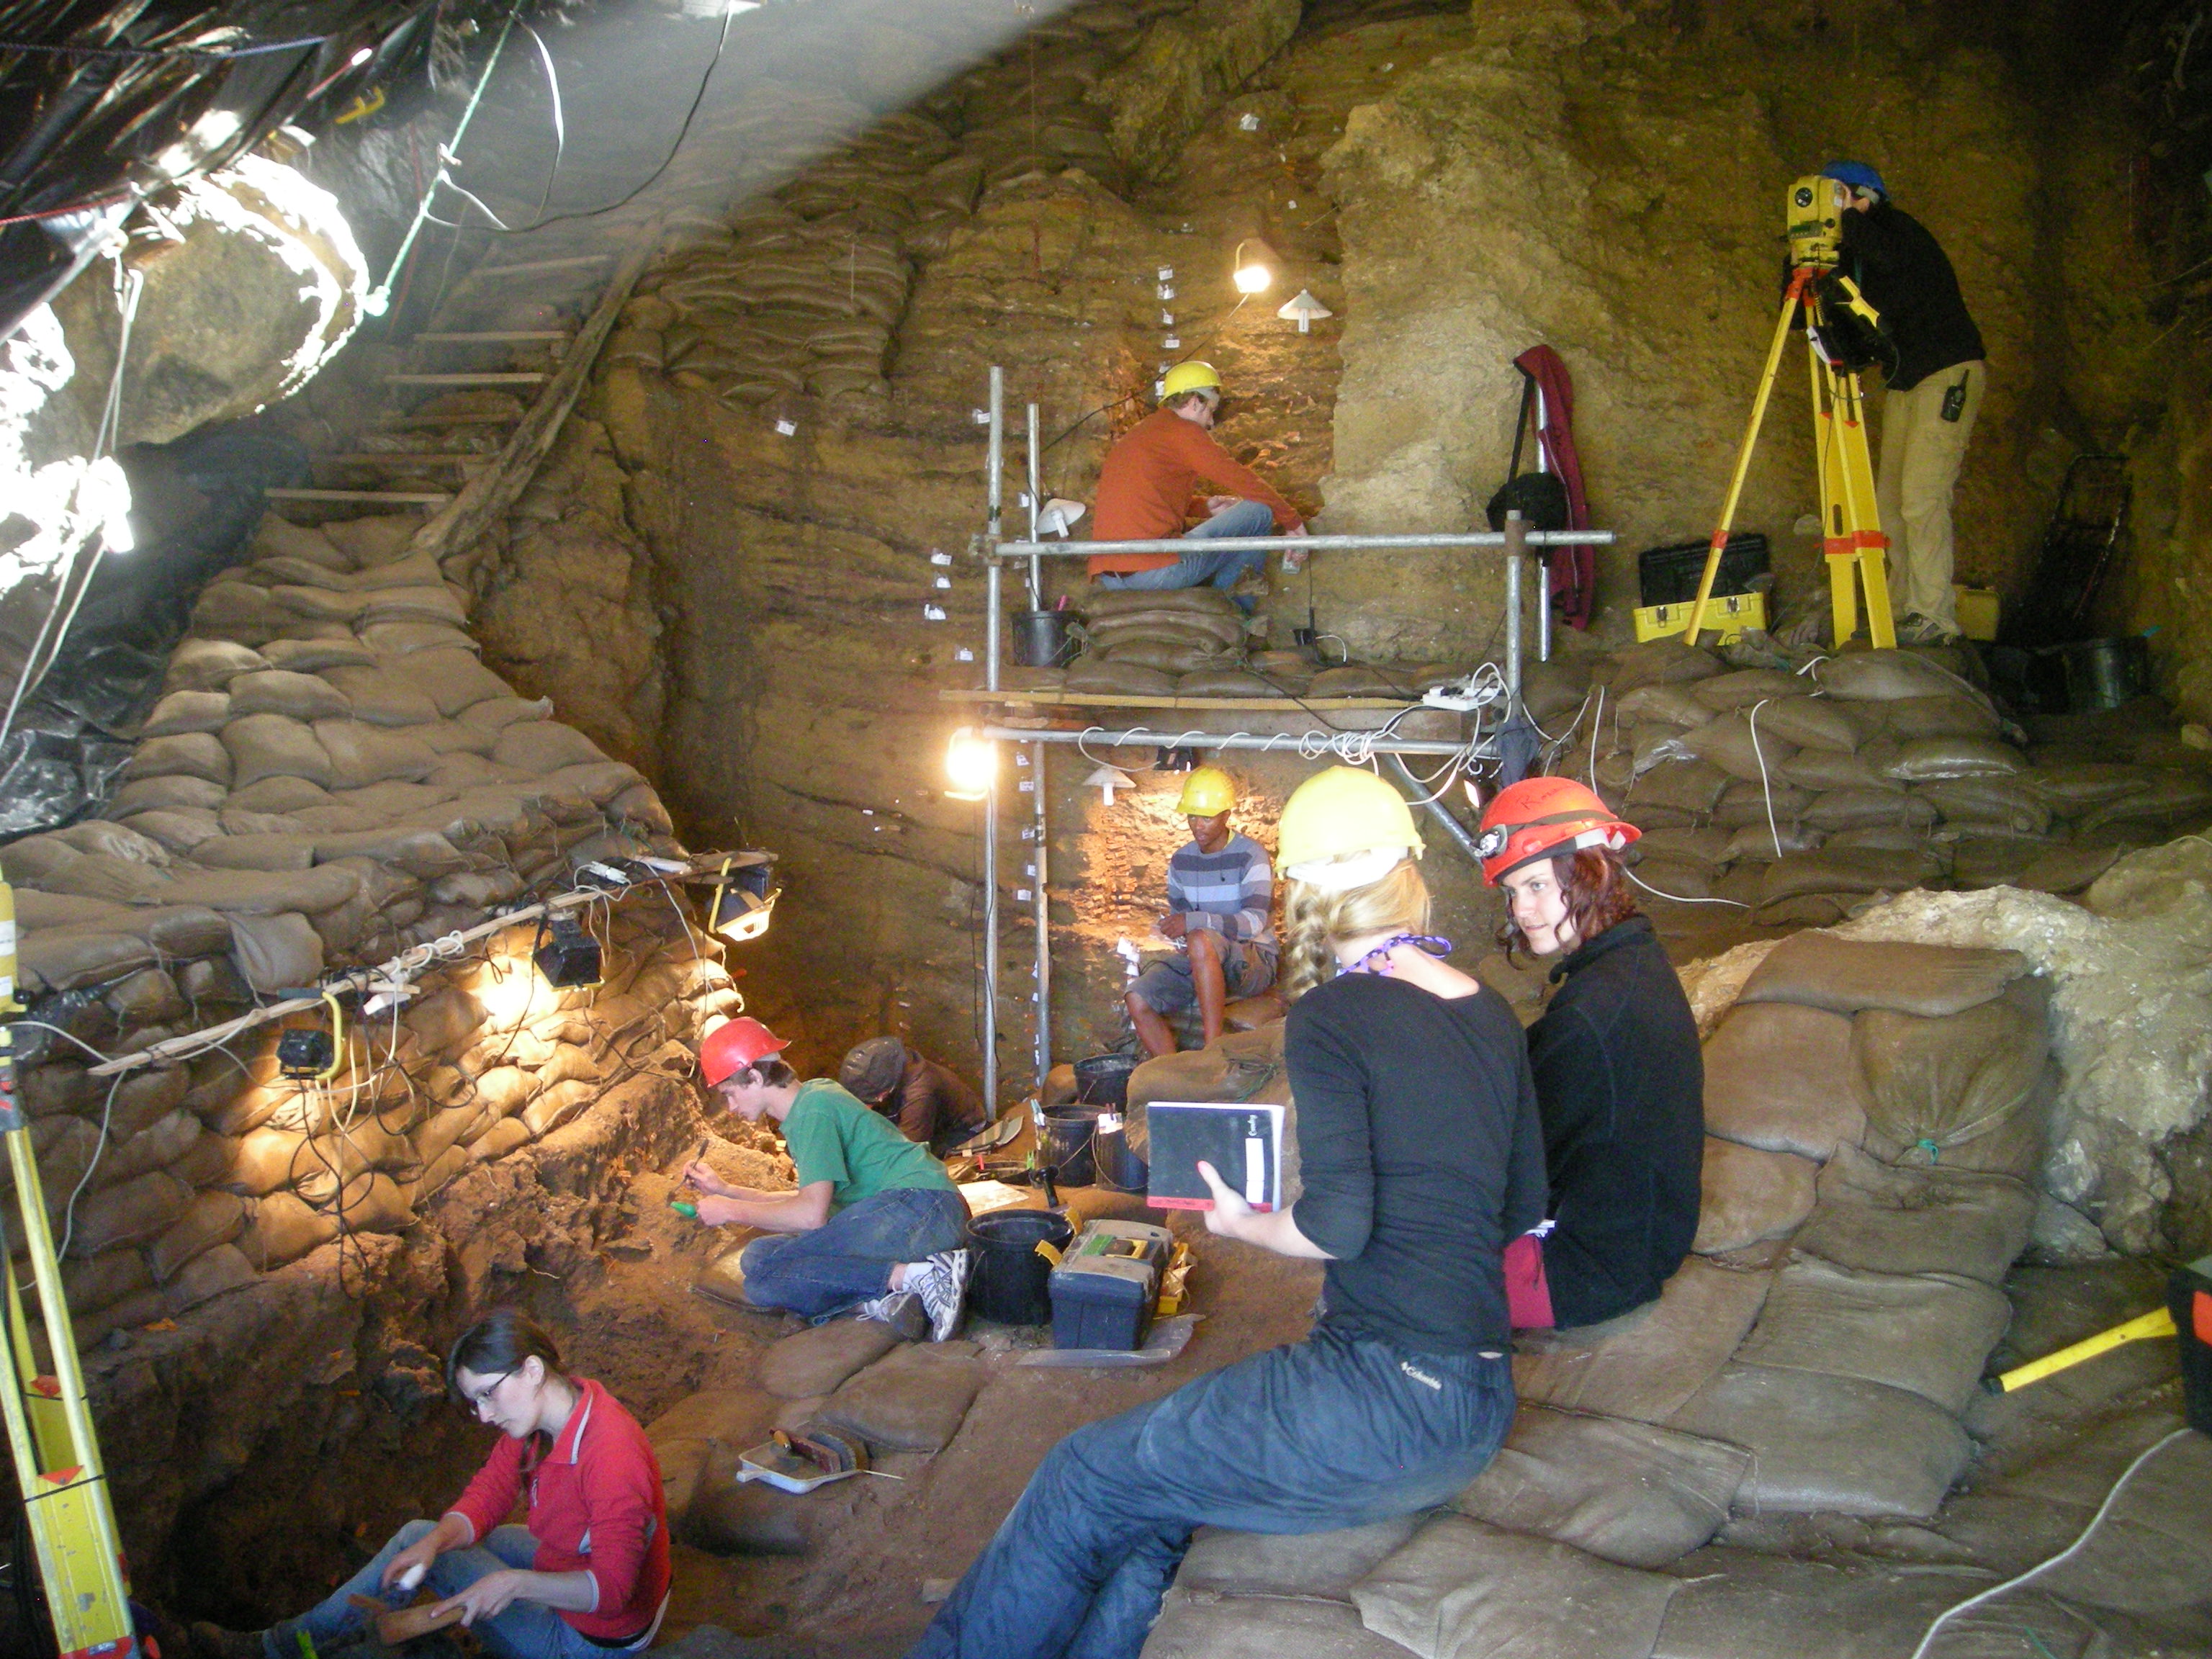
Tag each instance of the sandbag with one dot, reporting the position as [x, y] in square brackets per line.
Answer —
[1627, 1492]
[818, 1360]
[1744, 1605]
[2067, 870]
[104, 1280]
[1884, 677]
[1172, 656]
[1227, 682]
[297, 697]
[314, 656]
[187, 711]
[1992, 799]
[1885, 1219]
[1927, 1333]
[1661, 662]
[1853, 809]
[170, 792]
[1845, 975]
[159, 1146]
[1847, 870]
[372, 1202]
[1738, 689]
[275, 953]
[1647, 1365]
[913, 1398]
[1957, 1089]
[214, 1217]
[1310, 1564]
[1823, 770]
[1840, 1444]
[735, 1420]
[557, 1105]
[189, 754]
[1748, 1195]
[209, 664]
[362, 754]
[1690, 787]
[1951, 716]
[1211, 1626]
[1783, 1079]
[1461, 1588]
[539, 747]
[1923, 760]
[2079, 788]
[1358, 680]
[246, 850]
[1551, 690]
[215, 1272]
[68, 959]
[1733, 742]
[1100, 604]
[1755, 843]
[509, 1135]
[1097, 677]
[1707, 848]
[282, 1228]
[2173, 800]
[1676, 704]
[384, 697]
[273, 745]
[1809, 722]
[129, 1212]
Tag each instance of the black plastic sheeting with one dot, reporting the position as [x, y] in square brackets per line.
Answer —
[96, 95]
[197, 501]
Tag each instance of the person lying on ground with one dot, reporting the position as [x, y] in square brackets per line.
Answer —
[933, 1106]
[1220, 887]
[1421, 1154]
[587, 1573]
[876, 1225]
[1619, 1074]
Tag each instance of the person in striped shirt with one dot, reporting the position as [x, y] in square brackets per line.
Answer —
[1220, 890]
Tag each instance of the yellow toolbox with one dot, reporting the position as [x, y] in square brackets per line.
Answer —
[1977, 613]
[1728, 614]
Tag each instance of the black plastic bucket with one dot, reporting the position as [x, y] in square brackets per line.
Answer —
[1117, 1167]
[1103, 1079]
[2104, 674]
[1065, 1146]
[1041, 639]
[1014, 1284]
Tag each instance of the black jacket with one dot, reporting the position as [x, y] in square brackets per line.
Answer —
[1905, 275]
[1620, 1083]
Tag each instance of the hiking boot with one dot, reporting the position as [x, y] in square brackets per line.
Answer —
[941, 1282]
[902, 1310]
[214, 1642]
[1917, 630]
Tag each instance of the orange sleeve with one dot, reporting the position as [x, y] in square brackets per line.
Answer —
[1215, 466]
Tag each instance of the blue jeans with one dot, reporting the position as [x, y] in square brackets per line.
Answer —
[1335, 1431]
[847, 1259]
[1197, 568]
[527, 1630]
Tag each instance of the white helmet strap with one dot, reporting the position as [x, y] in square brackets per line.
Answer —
[1350, 869]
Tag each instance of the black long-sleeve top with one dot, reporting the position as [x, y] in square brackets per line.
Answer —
[1421, 1154]
[1903, 271]
[1620, 1081]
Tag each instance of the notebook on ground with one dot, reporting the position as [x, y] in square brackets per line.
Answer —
[1243, 1141]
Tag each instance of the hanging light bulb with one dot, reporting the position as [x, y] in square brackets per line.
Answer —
[569, 958]
[1254, 267]
[972, 763]
[744, 902]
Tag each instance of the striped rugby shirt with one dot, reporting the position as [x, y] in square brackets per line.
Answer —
[1228, 892]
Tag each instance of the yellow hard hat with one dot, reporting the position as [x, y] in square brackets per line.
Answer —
[1206, 790]
[1344, 828]
[1193, 376]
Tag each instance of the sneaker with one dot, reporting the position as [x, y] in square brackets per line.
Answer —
[214, 1642]
[1917, 630]
[902, 1310]
[941, 1282]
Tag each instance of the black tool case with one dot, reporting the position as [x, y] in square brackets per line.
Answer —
[1105, 1288]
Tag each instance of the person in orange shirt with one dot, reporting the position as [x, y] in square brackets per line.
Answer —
[1146, 491]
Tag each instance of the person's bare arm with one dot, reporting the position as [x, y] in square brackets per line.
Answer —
[801, 1211]
[1271, 1230]
[492, 1595]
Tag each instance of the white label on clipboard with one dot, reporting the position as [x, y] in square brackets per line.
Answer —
[1255, 1170]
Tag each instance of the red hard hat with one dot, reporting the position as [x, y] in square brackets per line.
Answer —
[1540, 817]
[731, 1048]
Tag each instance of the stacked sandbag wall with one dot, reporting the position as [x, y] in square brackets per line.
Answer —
[1796, 794]
[329, 778]
[1875, 1113]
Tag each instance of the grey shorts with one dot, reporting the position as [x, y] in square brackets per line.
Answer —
[1166, 987]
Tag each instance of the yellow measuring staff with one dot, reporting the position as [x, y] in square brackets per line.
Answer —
[2150, 1325]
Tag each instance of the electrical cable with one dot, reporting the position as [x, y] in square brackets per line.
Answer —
[1764, 782]
[560, 121]
[1678, 898]
[69, 1213]
[2063, 1556]
[218, 53]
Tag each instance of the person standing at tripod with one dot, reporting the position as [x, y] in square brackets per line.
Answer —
[1933, 386]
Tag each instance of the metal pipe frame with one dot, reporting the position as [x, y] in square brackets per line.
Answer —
[1043, 829]
[1478, 538]
[1142, 737]
[1036, 468]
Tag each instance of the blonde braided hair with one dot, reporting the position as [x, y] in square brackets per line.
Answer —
[1313, 919]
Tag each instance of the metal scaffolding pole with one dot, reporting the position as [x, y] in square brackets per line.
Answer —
[1140, 736]
[1037, 752]
[1036, 566]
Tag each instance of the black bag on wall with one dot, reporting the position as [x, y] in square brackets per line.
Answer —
[1540, 498]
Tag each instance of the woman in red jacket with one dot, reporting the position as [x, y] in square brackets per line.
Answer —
[587, 1574]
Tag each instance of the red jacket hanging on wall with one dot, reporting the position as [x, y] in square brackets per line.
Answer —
[1573, 569]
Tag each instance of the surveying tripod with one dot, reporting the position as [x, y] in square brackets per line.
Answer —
[1850, 525]
[49, 1418]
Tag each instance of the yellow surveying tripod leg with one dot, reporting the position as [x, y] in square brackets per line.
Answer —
[48, 1418]
[1854, 544]
[1742, 464]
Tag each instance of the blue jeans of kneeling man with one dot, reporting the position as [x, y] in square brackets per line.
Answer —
[1197, 568]
[847, 1259]
[1337, 1430]
[526, 1630]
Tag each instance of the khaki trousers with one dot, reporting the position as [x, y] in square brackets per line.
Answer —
[1920, 455]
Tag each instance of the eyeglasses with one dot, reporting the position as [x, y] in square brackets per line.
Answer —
[476, 1402]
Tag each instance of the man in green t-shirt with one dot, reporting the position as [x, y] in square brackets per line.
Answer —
[875, 1224]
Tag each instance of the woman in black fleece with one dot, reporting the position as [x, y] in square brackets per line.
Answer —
[1619, 1077]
